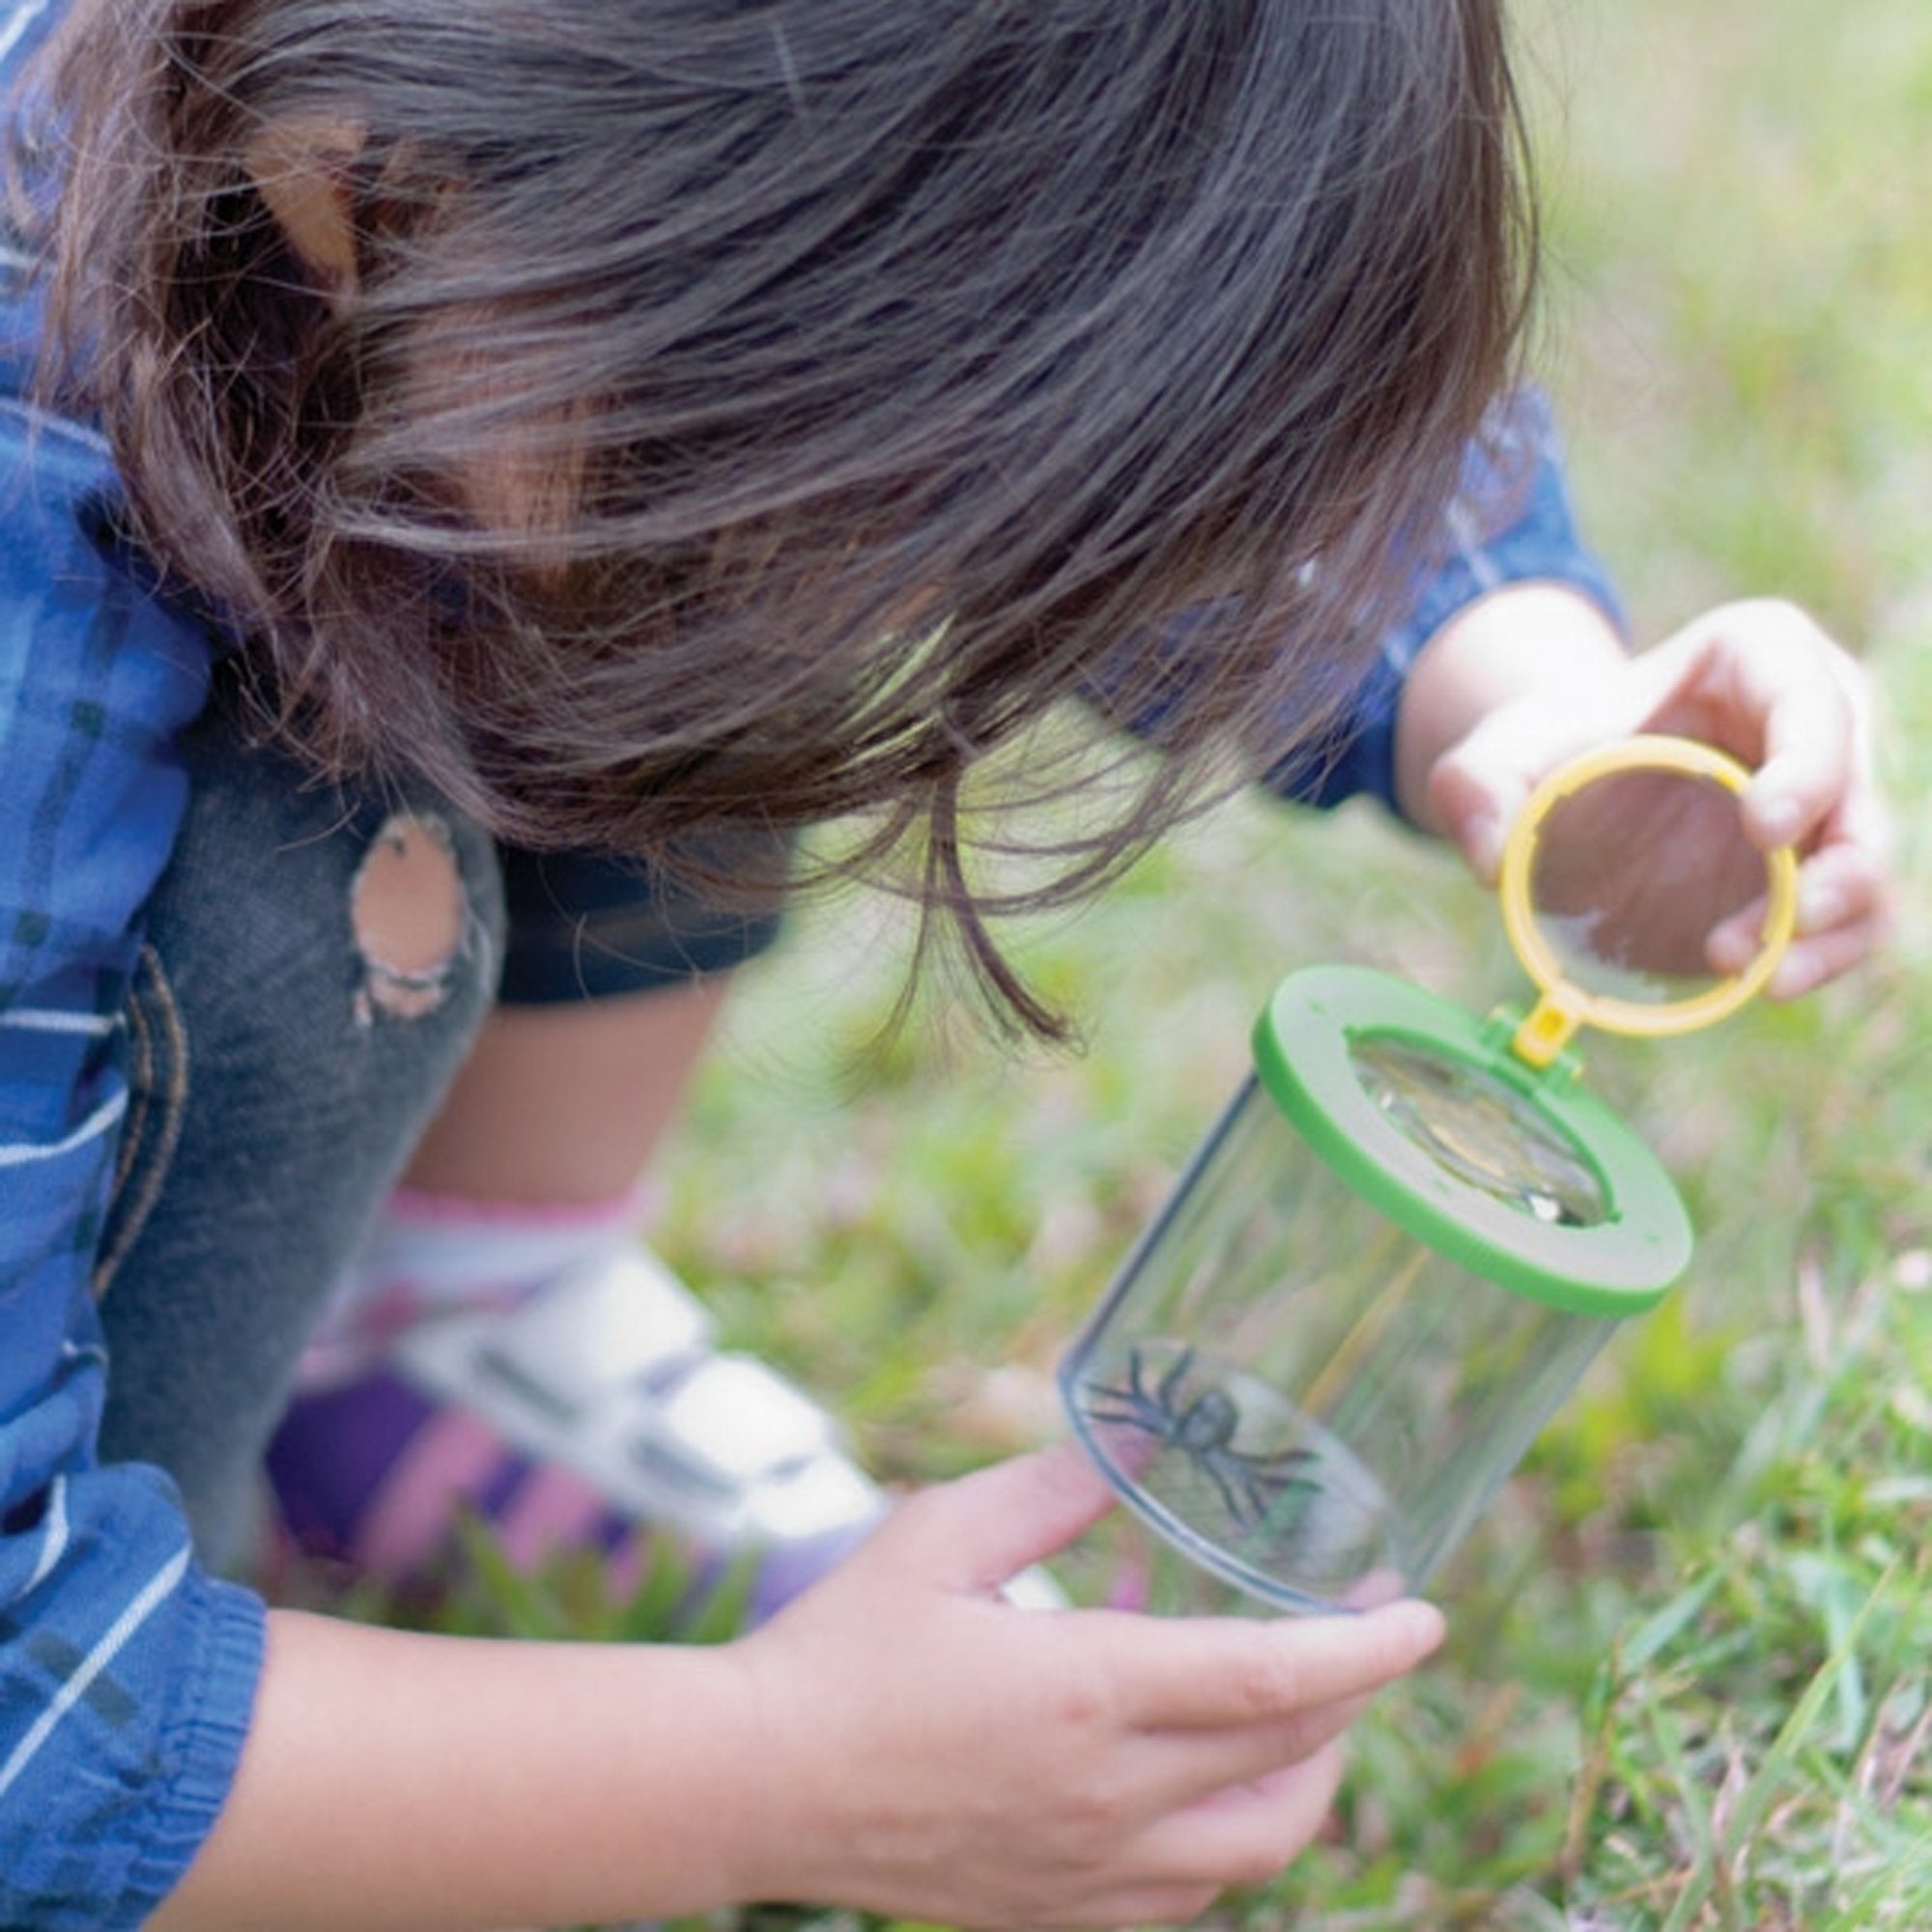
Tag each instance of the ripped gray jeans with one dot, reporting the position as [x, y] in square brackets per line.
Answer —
[316, 966]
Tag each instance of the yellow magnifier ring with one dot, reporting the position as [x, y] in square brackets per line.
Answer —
[1562, 1006]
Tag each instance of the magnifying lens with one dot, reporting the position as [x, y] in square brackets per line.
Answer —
[1616, 875]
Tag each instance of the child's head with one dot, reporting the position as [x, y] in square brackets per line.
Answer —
[642, 415]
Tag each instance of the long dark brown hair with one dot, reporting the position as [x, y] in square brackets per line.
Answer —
[735, 415]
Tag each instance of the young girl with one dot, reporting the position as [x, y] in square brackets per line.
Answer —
[468, 429]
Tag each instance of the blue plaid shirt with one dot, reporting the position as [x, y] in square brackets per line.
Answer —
[126, 1673]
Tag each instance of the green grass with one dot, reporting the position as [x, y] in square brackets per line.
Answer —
[1687, 1684]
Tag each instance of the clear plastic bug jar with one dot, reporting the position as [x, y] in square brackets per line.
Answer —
[1395, 1253]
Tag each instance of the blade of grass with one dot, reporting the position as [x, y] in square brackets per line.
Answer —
[1755, 1800]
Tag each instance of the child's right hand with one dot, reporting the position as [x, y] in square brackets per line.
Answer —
[929, 1752]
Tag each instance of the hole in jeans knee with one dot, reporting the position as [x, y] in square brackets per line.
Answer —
[410, 917]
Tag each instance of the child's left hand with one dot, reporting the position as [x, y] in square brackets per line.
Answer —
[1757, 679]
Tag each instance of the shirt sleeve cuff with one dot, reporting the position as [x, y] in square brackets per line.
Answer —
[1510, 523]
[204, 1739]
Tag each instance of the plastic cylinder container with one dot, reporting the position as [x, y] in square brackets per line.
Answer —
[1381, 1272]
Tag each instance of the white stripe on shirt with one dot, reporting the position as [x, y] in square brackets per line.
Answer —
[1470, 547]
[103, 1118]
[42, 1019]
[153, 1593]
[54, 1546]
[24, 15]
[46, 420]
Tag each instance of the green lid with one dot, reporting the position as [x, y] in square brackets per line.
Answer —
[1517, 1176]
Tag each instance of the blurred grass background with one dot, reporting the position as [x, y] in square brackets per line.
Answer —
[1686, 1684]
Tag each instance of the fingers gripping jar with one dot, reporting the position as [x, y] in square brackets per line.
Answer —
[1388, 1263]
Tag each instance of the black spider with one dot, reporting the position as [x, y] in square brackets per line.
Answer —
[1248, 1484]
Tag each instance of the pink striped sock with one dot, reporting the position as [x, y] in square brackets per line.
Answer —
[431, 1253]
